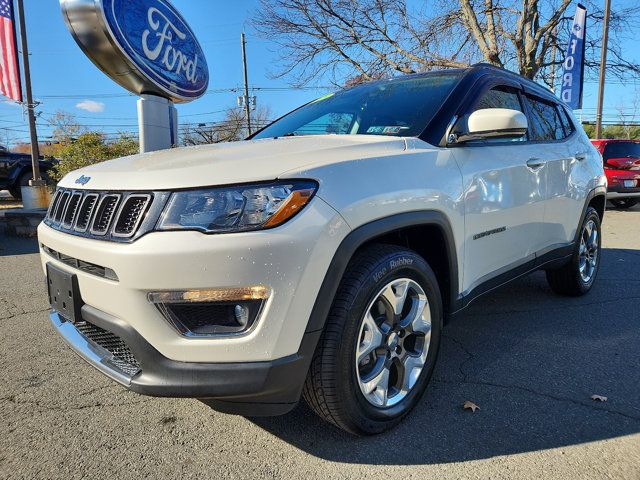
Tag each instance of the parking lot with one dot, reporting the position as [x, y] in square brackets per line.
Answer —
[531, 361]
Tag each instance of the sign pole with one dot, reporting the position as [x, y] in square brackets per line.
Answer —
[157, 123]
[35, 153]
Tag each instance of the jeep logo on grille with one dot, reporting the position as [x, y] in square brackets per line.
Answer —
[83, 180]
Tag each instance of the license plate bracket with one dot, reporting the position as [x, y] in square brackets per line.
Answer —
[64, 294]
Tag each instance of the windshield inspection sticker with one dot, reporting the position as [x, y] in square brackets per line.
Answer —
[381, 130]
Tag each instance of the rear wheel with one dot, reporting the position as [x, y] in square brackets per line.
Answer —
[23, 181]
[624, 203]
[577, 277]
[380, 342]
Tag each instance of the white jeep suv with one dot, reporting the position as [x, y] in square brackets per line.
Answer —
[319, 258]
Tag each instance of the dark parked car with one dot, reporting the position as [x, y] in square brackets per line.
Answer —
[15, 171]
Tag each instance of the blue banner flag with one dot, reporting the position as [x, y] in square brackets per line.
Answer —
[573, 66]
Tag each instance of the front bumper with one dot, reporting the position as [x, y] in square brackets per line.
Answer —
[249, 388]
[290, 260]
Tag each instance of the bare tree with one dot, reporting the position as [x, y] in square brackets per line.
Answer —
[627, 115]
[232, 128]
[65, 126]
[367, 39]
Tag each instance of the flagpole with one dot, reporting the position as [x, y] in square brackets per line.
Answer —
[35, 153]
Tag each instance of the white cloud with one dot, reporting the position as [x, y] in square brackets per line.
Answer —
[10, 103]
[91, 106]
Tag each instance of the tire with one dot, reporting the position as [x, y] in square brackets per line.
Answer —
[578, 276]
[624, 203]
[23, 181]
[336, 383]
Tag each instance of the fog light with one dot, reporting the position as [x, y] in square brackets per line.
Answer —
[205, 313]
[242, 314]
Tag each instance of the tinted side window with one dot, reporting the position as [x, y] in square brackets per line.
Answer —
[567, 123]
[499, 97]
[544, 121]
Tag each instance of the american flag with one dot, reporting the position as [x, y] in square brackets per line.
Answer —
[9, 70]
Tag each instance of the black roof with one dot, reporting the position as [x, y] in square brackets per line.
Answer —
[485, 69]
[488, 69]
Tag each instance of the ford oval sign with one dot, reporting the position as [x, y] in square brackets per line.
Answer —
[145, 45]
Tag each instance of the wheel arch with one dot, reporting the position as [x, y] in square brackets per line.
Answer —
[599, 203]
[17, 173]
[596, 198]
[405, 229]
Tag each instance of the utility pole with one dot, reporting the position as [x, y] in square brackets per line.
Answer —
[247, 107]
[35, 153]
[603, 66]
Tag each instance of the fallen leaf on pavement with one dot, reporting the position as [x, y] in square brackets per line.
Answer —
[471, 406]
[599, 398]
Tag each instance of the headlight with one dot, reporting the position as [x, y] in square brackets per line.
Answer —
[236, 208]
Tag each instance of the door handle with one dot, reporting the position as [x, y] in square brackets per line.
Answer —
[535, 162]
[580, 156]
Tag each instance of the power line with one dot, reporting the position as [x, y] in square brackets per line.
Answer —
[208, 92]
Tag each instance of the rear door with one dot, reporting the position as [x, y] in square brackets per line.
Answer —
[503, 197]
[567, 174]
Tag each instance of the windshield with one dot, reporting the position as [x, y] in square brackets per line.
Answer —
[400, 107]
[621, 150]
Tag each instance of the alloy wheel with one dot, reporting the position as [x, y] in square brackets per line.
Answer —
[588, 255]
[393, 342]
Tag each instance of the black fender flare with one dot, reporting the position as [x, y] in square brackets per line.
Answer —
[17, 173]
[599, 191]
[370, 231]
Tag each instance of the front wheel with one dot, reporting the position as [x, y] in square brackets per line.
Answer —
[380, 342]
[624, 203]
[577, 277]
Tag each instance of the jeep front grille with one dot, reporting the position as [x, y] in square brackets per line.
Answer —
[71, 210]
[86, 210]
[115, 216]
[104, 215]
[130, 215]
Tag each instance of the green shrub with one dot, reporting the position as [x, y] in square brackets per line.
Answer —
[90, 148]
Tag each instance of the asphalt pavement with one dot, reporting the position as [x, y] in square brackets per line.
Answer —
[531, 360]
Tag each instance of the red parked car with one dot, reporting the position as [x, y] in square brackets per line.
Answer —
[622, 166]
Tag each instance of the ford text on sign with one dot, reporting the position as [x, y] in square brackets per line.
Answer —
[144, 45]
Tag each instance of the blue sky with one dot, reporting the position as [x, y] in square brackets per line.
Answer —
[64, 79]
[59, 68]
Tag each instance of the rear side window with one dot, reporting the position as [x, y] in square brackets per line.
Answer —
[567, 123]
[544, 121]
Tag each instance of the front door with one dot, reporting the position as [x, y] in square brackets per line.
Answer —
[503, 199]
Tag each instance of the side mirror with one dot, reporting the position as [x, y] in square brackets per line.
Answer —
[491, 123]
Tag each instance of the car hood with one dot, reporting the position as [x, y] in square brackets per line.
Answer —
[228, 163]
